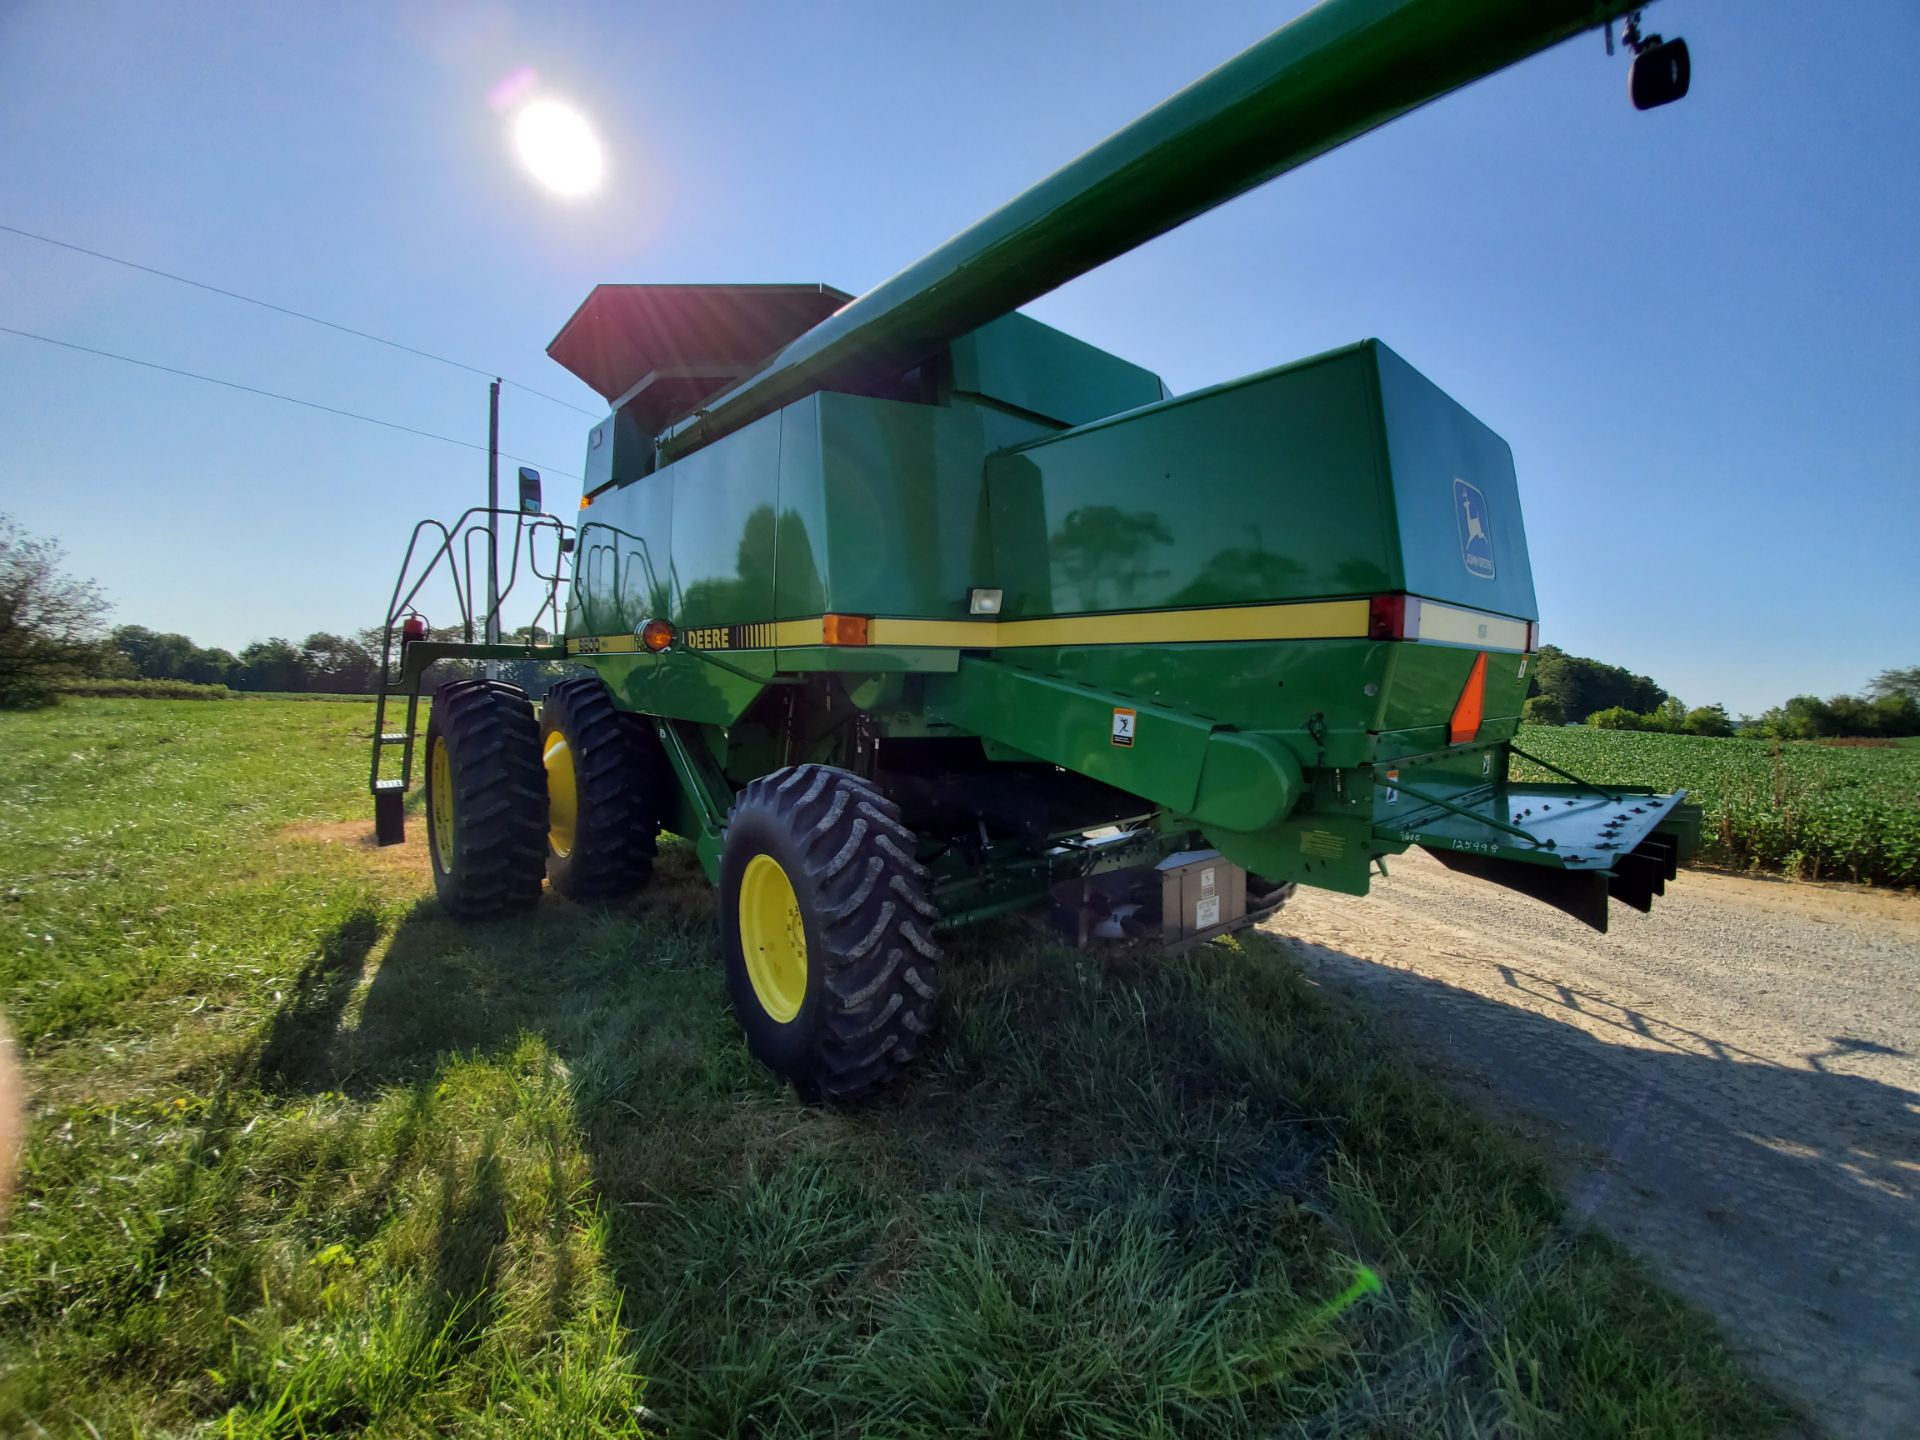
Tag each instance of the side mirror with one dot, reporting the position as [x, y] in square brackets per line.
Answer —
[566, 544]
[1660, 73]
[530, 490]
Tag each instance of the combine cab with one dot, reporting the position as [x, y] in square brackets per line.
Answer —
[910, 610]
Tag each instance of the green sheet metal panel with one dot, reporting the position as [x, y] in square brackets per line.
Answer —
[1456, 500]
[902, 504]
[724, 499]
[1020, 362]
[1268, 488]
[622, 567]
[1276, 687]
[800, 546]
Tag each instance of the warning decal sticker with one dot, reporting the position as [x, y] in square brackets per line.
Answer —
[1123, 726]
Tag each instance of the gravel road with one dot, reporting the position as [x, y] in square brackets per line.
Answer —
[1730, 1082]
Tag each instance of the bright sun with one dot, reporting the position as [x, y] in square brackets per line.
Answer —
[558, 145]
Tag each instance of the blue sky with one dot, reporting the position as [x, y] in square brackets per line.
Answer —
[1699, 328]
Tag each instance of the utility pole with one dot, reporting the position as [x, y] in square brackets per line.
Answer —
[493, 523]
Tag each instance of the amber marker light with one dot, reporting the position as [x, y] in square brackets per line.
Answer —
[656, 635]
[843, 629]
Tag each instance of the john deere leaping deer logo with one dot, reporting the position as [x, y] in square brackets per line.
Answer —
[1476, 538]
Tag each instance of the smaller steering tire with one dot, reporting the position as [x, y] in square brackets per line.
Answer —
[486, 799]
[826, 931]
[606, 780]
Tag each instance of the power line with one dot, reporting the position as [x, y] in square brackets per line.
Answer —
[272, 395]
[296, 314]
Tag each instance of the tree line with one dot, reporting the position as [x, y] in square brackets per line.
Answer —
[1568, 689]
[51, 632]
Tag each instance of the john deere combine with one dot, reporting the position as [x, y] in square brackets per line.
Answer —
[908, 610]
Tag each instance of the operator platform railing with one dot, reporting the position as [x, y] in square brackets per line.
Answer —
[540, 551]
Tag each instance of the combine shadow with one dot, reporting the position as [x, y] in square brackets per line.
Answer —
[1780, 1199]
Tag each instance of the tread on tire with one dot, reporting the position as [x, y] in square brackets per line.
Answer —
[870, 957]
[620, 775]
[493, 863]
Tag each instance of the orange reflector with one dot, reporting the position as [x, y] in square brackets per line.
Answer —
[844, 629]
[656, 635]
[585, 500]
[1473, 700]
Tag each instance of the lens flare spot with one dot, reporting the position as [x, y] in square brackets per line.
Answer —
[558, 147]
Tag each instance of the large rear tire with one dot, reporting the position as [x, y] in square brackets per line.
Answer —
[486, 799]
[826, 931]
[606, 777]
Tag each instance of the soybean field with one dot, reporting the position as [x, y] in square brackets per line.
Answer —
[1814, 811]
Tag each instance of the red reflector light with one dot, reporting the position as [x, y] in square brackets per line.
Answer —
[1387, 617]
[844, 629]
[1473, 700]
[412, 628]
[656, 635]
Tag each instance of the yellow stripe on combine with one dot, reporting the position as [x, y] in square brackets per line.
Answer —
[1305, 620]
[1308, 620]
[1430, 621]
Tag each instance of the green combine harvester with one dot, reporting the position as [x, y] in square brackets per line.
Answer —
[908, 610]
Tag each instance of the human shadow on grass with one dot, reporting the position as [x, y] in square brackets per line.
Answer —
[1185, 1120]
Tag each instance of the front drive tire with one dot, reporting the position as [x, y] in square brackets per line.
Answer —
[486, 799]
[606, 779]
[826, 931]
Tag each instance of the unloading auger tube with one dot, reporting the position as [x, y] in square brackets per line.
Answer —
[907, 611]
[1342, 69]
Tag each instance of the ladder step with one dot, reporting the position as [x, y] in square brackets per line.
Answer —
[394, 737]
[380, 786]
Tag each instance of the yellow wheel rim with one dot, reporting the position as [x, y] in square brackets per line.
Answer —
[563, 795]
[440, 793]
[773, 938]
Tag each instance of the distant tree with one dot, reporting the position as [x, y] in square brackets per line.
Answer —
[209, 667]
[49, 621]
[1669, 717]
[1708, 720]
[155, 656]
[1807, 717]
[1849, 715]
[1617, 717]
[1582, 686]
[339, 664]
[1897, 713]
[1904, 680]
[1543, 710]
[271, 664]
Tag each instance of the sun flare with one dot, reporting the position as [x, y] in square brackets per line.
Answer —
[558, 147]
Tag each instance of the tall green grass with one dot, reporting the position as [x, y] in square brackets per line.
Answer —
[308, 1158]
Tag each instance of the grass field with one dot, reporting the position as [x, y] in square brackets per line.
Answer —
[306, 1158]
[1822, 812]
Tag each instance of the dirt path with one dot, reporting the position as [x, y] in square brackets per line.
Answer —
[1731, 1081]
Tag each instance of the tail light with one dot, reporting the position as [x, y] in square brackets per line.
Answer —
[1387, 617]
[412, 628]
